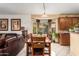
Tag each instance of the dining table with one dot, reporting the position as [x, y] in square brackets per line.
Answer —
[29, 42]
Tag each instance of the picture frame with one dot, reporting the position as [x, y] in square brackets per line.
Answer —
[15, 24]
[3, 24]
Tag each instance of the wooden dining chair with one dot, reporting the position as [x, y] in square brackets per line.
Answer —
[38, 44]
[29, 45]
[47, 47]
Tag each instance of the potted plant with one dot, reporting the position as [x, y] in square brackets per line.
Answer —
[55, 36]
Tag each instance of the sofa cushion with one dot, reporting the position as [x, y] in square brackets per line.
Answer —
[9, 35]
[2, 40]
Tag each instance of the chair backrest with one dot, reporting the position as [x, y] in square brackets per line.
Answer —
[38, 39]
[38, 43]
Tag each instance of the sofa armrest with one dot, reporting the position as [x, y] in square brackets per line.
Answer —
[4, 52]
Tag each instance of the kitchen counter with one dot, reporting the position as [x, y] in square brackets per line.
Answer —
[63, 31]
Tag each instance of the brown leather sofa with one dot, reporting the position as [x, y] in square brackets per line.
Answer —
[13, 44]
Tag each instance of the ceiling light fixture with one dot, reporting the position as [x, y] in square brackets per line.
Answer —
[44, 11]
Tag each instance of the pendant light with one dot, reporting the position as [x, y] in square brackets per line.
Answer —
[44, 10]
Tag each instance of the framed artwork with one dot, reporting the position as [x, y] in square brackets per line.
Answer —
[3, 24]
[15, 24]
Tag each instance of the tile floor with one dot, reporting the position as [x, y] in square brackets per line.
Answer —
[60, 50]
[56, 50]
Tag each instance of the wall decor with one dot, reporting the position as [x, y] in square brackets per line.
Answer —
[3, 24]
[15, 24]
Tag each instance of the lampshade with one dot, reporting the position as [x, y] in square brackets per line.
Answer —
[44, 15]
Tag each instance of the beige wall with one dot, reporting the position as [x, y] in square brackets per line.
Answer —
[74, 44]
[25, 21]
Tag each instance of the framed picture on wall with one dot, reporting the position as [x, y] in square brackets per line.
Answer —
[3, 24]
[15, 24]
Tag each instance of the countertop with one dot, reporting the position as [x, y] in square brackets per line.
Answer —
[63, 31]
[75, 32]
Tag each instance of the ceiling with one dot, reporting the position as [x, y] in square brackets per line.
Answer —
[37, 8]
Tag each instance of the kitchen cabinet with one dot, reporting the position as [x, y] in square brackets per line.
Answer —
[64, 39]
[64, 23]
[75, 20]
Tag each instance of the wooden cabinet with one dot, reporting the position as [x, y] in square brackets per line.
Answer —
[64, 39]
[69, 23]
[64, 23]
[75, 20]
[61, 24]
